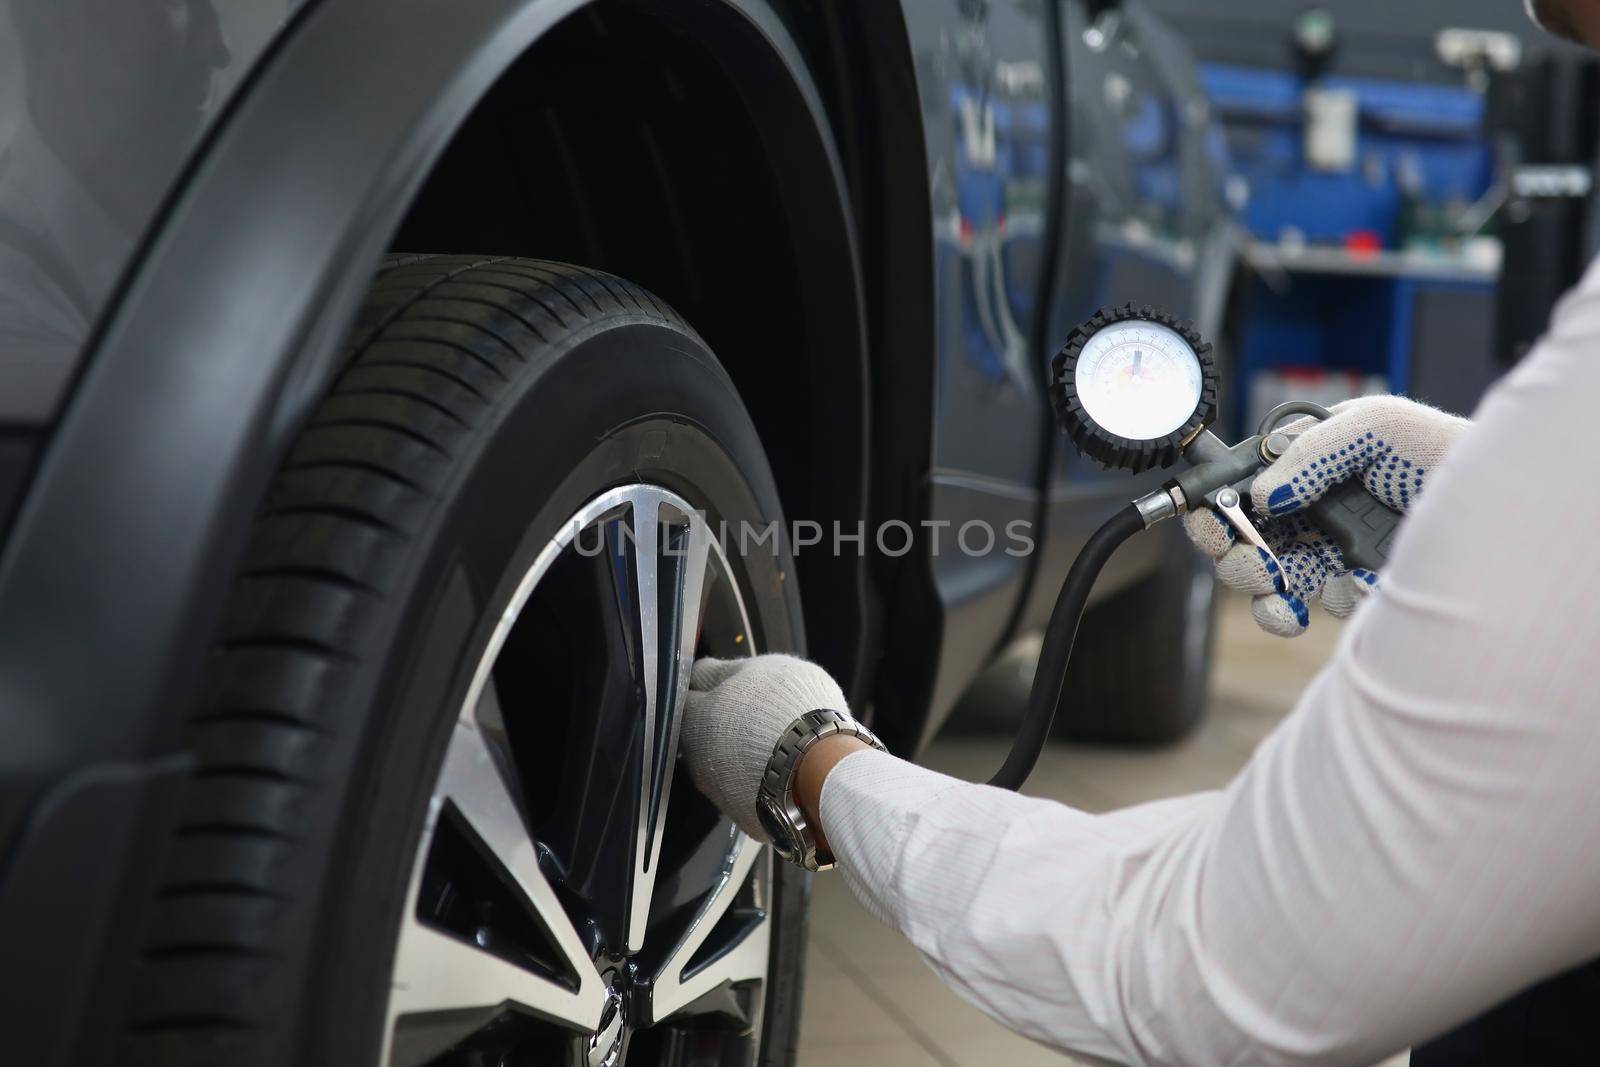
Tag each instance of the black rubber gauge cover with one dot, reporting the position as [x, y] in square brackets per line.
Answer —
[1100, 444]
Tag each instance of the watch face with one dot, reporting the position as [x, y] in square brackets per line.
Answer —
[775, 821]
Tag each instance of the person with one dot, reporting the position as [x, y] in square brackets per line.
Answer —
[1417, 842]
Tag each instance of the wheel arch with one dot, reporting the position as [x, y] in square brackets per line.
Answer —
[865, 64]
[135, 521]
[689, 149]
[309, 179]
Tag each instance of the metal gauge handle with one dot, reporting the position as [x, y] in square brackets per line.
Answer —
[1360, 524]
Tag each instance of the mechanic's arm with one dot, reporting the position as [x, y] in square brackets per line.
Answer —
[1419, 839]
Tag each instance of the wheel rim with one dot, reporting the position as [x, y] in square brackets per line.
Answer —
[573, 899]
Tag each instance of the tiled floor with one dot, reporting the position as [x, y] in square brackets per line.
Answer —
[870, 1000]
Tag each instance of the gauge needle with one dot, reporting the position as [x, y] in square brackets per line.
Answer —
[1138, 355]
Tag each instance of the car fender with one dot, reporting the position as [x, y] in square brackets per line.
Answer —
[218, 345]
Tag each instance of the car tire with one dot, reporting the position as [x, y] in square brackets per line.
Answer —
[1142, 658]
[485, 404]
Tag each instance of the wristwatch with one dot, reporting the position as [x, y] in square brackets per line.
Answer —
[793, 836]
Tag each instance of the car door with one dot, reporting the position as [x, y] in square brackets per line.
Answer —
[1143, 222]
[985, 79]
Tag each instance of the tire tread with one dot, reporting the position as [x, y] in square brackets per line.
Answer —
[431, 356]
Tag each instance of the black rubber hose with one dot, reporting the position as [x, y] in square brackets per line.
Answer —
[1057, 650]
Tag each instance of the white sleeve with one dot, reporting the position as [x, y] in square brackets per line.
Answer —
[1418, 840]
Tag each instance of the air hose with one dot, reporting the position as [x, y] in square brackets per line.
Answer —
[1057, 650]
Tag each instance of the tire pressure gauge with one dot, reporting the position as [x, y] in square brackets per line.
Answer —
[1133, 386]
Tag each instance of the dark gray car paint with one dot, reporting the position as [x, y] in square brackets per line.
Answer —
[997, 458]
[116, 567]
[101, 104]
[157, 461]
[983, 71]
[1125, 247]
[99, 136]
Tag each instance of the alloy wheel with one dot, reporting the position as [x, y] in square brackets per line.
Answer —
[574, 900]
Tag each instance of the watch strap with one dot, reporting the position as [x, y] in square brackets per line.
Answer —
[793, 836]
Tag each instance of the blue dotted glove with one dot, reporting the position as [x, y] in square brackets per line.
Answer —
[1392, 444]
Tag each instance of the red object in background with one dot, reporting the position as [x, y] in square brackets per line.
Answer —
[1363, 243]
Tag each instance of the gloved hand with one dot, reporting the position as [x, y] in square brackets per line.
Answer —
[1392, 444]
[737, 709]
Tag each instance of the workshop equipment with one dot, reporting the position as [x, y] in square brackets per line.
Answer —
[1372, 195]
[1135, 388]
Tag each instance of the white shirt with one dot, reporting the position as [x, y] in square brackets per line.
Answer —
[1418, 840]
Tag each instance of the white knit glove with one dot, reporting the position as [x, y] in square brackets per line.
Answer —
[1392, 444]
[737, 710]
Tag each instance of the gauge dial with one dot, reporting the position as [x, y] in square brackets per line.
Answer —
[1139, 379]
[1133, 385]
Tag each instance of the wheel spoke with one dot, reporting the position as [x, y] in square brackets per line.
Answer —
[590, 831]
[438, 970]
[672, 551]
[694, 967]
[443, 973]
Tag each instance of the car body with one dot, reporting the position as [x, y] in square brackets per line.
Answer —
[881, 216]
